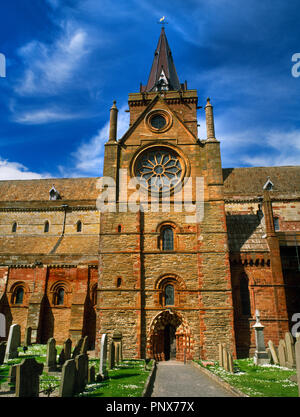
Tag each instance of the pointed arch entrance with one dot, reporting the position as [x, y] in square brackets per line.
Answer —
[169, 337]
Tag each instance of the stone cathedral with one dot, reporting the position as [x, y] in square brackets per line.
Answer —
[173, 287]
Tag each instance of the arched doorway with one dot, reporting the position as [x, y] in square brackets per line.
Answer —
[169, 337]
[170, 342]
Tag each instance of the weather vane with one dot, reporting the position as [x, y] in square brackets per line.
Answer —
[162, 21]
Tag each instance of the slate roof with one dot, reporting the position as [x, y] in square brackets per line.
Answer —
[242, 182]
[38, 190]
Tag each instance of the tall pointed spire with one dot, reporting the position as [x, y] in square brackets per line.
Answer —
[163, 75]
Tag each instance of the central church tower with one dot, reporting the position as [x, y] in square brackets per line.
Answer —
[164, 279]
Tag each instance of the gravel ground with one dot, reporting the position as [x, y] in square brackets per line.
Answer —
[176, 379]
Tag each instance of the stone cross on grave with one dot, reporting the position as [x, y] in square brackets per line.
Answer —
[261, 355]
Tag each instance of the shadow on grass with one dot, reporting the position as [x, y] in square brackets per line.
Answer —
[125, 375]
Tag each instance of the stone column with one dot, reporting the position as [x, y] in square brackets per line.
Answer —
[210, 125]
[113, 122]
[261, 355]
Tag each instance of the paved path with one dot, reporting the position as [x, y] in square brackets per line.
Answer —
[176, 379]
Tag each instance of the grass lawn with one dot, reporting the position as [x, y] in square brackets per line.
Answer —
[257, 381]
[125, 380]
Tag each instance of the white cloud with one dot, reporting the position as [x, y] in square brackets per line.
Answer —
[17, 171]
[36, 117]
[88, 157]
[49, 67]
[258, 146]
[282, 149]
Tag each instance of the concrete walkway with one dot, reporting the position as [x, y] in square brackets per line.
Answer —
[176, 379]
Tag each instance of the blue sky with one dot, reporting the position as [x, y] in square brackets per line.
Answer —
[67, 60]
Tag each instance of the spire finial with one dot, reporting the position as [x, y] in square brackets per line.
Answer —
[163, 60]
[162, 21]
[114, 105]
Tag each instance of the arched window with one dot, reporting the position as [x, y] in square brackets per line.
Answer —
[46, 227]
[245, 296]
[79, 226]
[59, 296]
[167, 238]
[18, 295]
[14, 227]
[119, 228]
[169, 295]
[119, 282]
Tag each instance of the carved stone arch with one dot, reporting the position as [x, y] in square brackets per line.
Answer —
[160, 287]
[17, 284]
[180, 281]
[56, 291]
[167, 223]
[14, 290]
[170, 228]
[156, 335]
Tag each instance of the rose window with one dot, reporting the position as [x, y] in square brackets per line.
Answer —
[160, 169]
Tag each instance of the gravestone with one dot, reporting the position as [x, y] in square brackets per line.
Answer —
[117, 348]
[117, 339]
[61, 358]
[269, 355]
[27, 340]
[297, 356]
[111, 355]
[77, 348]
[221, 363]
[28, 378]
[13, 342]
[282, 353]
[2, 352]
[68, 376]
[225, 359]
[273, 352]
[103, 357]
[2, 325]
[261, 356]
[68, 349]
[82, 363]
[230, 362]
[84, 346]
[51, 356]
[11, 380]
[290, 351]
[91, 375]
